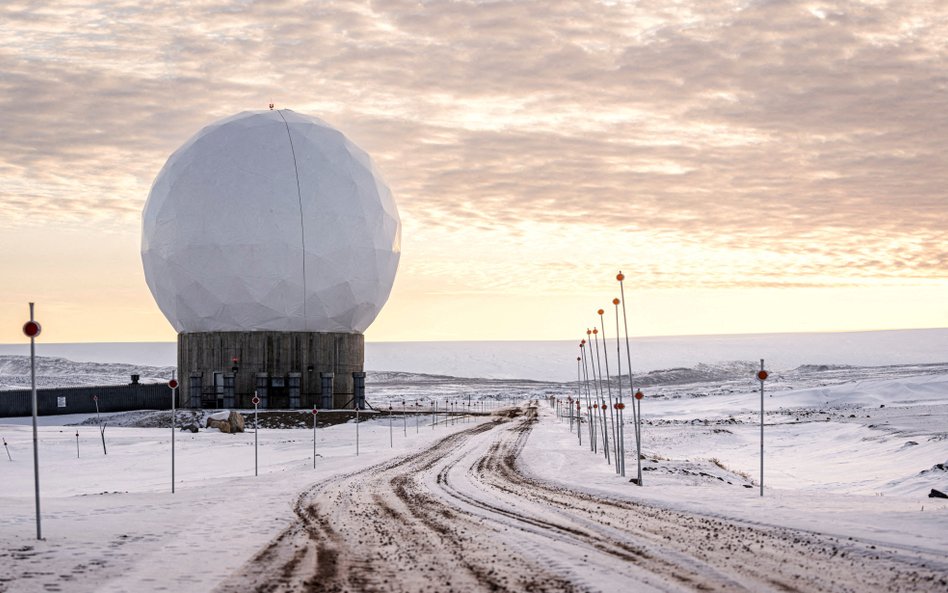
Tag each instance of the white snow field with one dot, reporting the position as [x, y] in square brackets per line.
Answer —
[506, 500]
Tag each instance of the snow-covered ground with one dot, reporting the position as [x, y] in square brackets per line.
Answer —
[851, 452]
[111, 523]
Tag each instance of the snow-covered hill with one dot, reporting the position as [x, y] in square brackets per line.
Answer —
[60, 372]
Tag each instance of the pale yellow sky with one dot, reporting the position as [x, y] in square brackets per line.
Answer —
[751, 167]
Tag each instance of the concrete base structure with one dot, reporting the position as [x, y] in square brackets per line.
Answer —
[288, 370]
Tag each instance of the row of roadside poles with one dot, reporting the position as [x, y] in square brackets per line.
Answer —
[605, 414]
[450, 413]
[595, 395]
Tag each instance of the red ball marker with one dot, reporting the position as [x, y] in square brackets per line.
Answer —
[32, 329]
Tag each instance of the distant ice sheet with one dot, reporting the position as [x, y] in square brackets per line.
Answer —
[556, 360]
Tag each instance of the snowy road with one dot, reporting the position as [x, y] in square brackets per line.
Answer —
[461, 516]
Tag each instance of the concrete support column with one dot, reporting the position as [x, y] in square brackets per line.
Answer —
[326, 390]
[358, 388]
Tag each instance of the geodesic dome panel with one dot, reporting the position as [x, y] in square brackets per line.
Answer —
[270, 220]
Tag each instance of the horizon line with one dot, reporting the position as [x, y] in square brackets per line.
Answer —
[638, 337]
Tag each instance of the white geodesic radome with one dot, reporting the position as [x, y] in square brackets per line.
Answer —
[270, 220]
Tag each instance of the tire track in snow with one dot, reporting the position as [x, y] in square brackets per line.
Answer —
[734, 554]
[374, 530]
[461, 516]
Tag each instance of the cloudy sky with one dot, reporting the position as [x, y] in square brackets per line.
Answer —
[751, 166]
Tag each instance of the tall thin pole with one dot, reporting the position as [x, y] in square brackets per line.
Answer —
[589, 411]
[174, 393]
[579, 398]
[95, 398]
[593, 392]
[36, 476]
[612, 411]
[762, 375]
[628, 355]
[357, 431]
[638, 436]
[597, 414]
[605, 423]
[621, 429]
[256, 429]
[314, 436]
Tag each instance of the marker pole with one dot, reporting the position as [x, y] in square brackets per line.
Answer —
[762, 375]
[391, 429]
[612, 411]
[605, 424]
[357, 431]
[620, 436]
[314, 437]
[32, 335]
[628, 355]
[174, 401]
[404, 419]
[579, 420]
[256, 429]
[579, 398]
[77, 444]
[95, 398]
[10, 457]
[589, 411]
[638, 439]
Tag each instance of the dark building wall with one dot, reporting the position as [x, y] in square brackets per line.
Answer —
[278, 354]
[78, 400]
